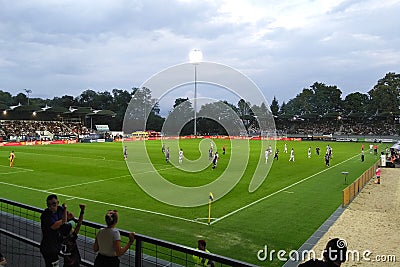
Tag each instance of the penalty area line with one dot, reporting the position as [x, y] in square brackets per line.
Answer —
[105, 203]
[92, 182]
[25, 187]
[107, 179]
[136, 209]
[279, 191]
[18, 170]
[155, 170]
[5, 173]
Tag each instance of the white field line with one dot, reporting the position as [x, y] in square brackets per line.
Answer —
[279, 191]
[19, 170]
[71, 157]
[5, 173]
[163, 169]
[92, 182]
[95, 158]
[105, 203]
[141, 210]
[25, 187]
[102, 180]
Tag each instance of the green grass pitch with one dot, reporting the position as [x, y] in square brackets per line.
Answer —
[294, 200]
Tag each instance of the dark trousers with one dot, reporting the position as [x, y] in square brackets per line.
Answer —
[105, 261]
[50, 257]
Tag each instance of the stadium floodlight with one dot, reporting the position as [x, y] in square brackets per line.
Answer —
[195, 57]
[28, 92]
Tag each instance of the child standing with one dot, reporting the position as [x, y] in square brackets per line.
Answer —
[378, 175]
[69, 235]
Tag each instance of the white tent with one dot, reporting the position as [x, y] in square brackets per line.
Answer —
[396, 147]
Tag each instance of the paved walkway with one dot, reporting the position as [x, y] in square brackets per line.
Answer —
[370, 225]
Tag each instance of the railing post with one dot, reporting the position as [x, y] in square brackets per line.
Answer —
[138, 253]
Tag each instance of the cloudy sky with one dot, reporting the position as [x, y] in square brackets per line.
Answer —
[64, 47]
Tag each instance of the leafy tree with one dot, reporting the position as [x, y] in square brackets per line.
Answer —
[20, 98]
[179, 101]
[155, 122]
[180, 120]
[65, 101]
[103, 100]
[301, 104]
[355, 103]
[274, 106]
[245, 113]
[37, 102]
[263, 117]
[385, 96]
[6, 98]
[282, 110]
[326, 99]
[243, 108]
[220, 118]
[120, 101]
[87, 98]
[318, 99]
[142, 109]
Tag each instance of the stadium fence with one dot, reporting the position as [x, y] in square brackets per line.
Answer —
[20, 236]
[350, 192]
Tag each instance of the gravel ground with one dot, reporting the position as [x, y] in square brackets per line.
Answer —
[371, 223]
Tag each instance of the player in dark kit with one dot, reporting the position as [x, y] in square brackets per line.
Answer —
[167, 155]
[327, 158]
[276, 156]
[215, 160]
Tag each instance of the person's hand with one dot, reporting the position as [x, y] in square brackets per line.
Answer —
[70, 215]
[82, 207]
[64, 205]
[131, 237]
[3, 261]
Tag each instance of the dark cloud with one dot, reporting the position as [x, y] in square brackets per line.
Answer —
[65, 47]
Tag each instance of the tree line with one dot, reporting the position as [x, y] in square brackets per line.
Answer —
[316, 102]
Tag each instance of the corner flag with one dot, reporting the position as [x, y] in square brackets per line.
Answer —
[211, 198]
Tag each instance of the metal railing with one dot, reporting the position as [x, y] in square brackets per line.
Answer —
[20, 236]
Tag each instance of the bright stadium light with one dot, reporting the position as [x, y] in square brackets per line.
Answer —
[195, 57]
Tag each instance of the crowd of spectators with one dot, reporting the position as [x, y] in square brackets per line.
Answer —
[21, 130]
[335, 127]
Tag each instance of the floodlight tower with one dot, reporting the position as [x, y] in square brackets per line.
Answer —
[195, 57]
[28, 92]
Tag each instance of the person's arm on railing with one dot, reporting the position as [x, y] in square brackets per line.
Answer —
[80, 219]
[119, 251]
